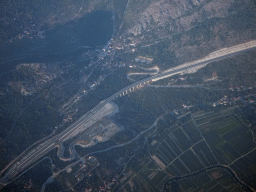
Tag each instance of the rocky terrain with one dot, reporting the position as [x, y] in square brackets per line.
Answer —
[190, 28]
[176, 15]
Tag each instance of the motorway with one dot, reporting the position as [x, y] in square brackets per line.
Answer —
[21, 164]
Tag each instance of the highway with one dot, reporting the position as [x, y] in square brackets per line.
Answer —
[23, 163]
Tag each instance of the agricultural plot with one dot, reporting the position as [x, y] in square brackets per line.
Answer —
[182, 150]
[203, 151]
[226, 134]
[140, 182]
[231, 141]
[148, 178]
[215, 179]
[245, 168]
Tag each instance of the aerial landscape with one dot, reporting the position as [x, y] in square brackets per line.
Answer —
[127, 95]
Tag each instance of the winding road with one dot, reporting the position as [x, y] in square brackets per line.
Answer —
[25, 160]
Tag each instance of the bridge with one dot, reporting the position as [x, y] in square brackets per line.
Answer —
[27, 158]
[135, 87]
